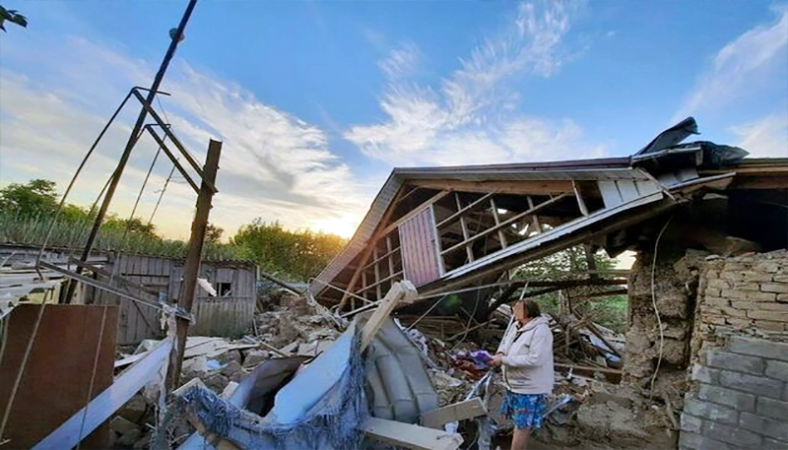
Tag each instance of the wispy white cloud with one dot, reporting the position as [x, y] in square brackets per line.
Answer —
[741, 68]
[400, 62]
[471, 117]
[766, 137]
[273, 165]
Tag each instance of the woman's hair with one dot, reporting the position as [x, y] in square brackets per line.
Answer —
[531, 308]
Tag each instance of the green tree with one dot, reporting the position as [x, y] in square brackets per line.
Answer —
[213, 234]
[11, 15]
[297, 255]
[34, 198]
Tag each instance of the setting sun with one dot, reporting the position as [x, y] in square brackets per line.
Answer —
[343, 226]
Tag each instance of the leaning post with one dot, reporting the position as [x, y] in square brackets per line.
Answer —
[192, 267]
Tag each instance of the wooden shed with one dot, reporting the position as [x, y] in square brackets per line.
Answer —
[229, 314]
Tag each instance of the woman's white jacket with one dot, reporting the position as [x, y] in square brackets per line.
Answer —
[528, 357]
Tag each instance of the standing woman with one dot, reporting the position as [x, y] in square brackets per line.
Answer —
[526, 355]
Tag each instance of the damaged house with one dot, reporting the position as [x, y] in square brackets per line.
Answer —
[352, 362]
[682, 207]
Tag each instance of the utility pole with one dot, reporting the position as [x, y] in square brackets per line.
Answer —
[191, 269]
[177, 36]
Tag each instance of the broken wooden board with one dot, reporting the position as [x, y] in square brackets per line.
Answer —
[402, 292]
[56, 380]
[467, 409]
[150, 369]
[410, 436]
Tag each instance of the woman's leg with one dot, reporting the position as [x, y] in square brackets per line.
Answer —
[520, 438]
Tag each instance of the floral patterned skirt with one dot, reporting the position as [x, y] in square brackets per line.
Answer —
[525, 410]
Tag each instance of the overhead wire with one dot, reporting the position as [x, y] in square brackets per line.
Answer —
[74, 178]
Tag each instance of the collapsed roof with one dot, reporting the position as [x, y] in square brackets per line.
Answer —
[447, 227]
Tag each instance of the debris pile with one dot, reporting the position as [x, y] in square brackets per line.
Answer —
[587, 404]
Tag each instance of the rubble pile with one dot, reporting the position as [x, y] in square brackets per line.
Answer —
[291, 327]
[587, 405]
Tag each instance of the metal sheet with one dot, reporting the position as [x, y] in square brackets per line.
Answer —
[56, 380]
[419, 250]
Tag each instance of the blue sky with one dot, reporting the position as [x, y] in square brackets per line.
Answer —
[316, 101]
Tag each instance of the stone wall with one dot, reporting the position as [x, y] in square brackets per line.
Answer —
[739, 393]
[745, 292]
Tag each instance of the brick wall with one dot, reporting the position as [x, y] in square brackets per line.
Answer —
[740, 397]
[739, 394]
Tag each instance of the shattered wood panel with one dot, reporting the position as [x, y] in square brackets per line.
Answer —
[419, 248]
[57, 376]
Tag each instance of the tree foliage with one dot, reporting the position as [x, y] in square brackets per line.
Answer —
[12, 16]
[610, 311]
[26, 211]
[31, 199]
[294, 254]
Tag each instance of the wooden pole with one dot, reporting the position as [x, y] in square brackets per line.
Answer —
[192, 267]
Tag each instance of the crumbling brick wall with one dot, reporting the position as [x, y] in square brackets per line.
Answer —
[739, 394]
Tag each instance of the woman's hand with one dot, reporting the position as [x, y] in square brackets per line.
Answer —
[497, 360]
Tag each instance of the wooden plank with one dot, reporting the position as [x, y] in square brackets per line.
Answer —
[534, 218]
[377, 271]
[410, 436]
[467, 409]
[402, 292]
[414, 212]
[464, 228]
[191, 268]
[366, 254]
[524, 187]
[461, 211]
[110, 400]
[506, 223]
[56, 380]
[497, 220]
[580, 202]
[374, 285]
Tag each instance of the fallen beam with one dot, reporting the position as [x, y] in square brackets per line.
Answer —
[402, 292]
[410, 436]
[467, 409]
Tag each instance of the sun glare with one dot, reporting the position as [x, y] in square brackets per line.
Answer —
[343, 226]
